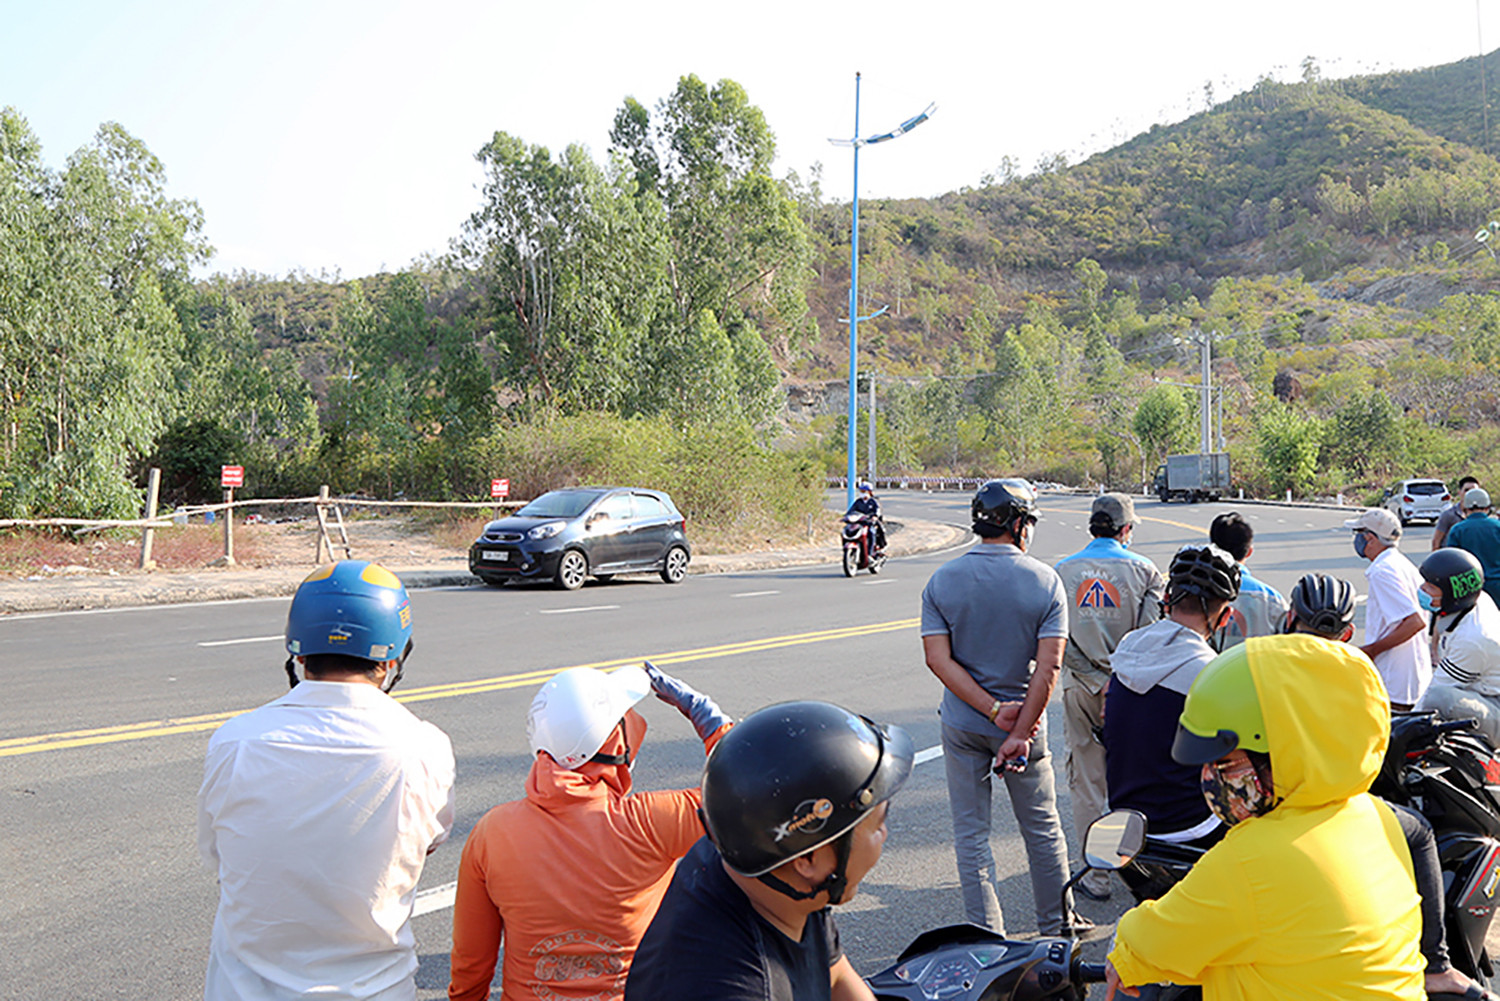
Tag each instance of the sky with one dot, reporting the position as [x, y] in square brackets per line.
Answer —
[338, 137]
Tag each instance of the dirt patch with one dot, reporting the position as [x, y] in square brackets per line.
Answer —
[393, 541]
[415, 541]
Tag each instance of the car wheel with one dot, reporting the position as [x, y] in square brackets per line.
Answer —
[674, 567]
[572, 569]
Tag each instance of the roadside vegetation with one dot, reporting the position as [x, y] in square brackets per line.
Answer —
[646, 317]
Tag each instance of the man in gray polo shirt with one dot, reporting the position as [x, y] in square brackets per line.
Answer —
[986, 617]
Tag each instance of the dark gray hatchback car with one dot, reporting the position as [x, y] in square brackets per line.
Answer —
[568, 535]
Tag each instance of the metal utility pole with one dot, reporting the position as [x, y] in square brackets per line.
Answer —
[871, 418]
[854, 317]
[1206, 409]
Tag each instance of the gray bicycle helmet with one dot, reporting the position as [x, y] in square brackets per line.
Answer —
[1206, 571]
[1323, 604]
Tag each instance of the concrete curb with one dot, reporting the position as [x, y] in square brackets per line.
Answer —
[89, 592]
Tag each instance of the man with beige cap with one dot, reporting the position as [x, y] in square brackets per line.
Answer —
[1479, 533]
[1110, 591]
[1394, 623]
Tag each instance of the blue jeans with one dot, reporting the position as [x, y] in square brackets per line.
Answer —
[969, 759]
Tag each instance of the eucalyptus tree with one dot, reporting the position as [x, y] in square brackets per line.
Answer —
[95, 258]
[739, 251]
[574, 266]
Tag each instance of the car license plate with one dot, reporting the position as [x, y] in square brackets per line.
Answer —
[496, 555]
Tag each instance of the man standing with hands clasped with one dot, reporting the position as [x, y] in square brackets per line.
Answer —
[1394, 622]
[986, 617]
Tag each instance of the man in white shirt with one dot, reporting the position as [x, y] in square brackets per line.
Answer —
[318, 809]
[1465, 641]
[1393, 615]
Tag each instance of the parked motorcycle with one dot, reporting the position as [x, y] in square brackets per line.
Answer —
[969, 963]
[1451, 775]
[860, 552]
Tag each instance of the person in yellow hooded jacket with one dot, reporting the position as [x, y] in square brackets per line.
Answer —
[1310, 895]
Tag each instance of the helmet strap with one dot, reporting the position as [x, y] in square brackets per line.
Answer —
[393, 676]
[623, 758]
[835, 884]
[1457, 618]
[291, 672]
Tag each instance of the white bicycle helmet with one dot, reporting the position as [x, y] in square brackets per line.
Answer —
[574, 713]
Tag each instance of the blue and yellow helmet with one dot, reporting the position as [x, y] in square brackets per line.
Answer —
[352, 607]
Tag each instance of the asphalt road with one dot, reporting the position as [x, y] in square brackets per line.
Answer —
[106, 716]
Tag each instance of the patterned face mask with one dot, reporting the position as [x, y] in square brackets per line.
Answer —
[1238, 786]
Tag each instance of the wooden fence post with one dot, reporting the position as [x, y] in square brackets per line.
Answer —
[322, 510]
[148, 534]
[229, 526]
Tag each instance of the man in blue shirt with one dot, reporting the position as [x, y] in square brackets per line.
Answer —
[1479, 534]
[1260, 610]
[1110, 591]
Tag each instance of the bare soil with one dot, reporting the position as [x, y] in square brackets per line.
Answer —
[410, 541]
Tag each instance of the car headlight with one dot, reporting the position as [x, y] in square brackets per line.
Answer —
[547, 531]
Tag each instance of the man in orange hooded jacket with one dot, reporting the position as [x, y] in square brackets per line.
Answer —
[571, 876]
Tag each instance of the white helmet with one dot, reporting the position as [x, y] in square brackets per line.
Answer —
[574, 713]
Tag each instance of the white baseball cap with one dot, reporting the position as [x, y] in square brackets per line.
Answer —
[1385, 526]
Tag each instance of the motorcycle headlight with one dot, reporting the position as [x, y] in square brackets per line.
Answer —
[547, 531]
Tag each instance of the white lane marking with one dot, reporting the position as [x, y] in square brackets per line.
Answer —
[883, 580]
[584, 608]
[753, 594]
[1309, 524]
[440, 898]
[247, 639]
[1359, 599]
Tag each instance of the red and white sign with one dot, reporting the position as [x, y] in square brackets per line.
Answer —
[231, 476]
[499, 489]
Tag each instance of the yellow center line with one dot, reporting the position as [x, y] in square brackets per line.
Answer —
[14, 746]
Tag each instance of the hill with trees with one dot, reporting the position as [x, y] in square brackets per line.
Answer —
[1330, 239]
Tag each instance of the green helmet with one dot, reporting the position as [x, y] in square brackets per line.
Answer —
[1222, 712]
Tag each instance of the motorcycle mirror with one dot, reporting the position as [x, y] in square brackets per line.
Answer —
[1114, 839]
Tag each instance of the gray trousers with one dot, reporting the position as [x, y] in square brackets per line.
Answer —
[969, 759]
[1454, 702]
[1083, 714]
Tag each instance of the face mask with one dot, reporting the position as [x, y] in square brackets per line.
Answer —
[1425, 600]
[1360, 540]
[1238, 789]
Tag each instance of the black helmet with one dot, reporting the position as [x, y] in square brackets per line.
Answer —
[1001, 502]
[792, 777]
[1323, 604]
[1207, 571]
[1458, 575]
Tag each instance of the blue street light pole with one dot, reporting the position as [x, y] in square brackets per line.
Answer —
[854, 316]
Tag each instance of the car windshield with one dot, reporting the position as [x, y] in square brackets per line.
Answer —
[1426, 487]
[559, 504]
